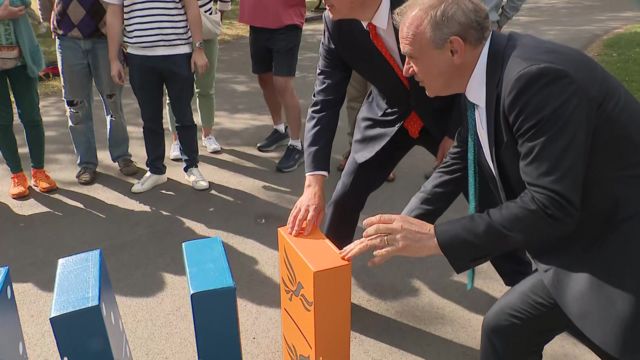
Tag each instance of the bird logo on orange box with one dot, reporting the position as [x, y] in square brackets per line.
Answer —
[293, 353]
[294, 287]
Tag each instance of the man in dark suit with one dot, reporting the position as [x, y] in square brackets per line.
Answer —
[557, 138]
[396, 116]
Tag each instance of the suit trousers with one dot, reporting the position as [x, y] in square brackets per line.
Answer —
[356, 93]
[524, 320]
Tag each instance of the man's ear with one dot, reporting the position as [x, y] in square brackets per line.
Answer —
[456, 49]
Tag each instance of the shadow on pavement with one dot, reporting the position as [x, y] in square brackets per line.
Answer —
[407, 338]
[139, 246]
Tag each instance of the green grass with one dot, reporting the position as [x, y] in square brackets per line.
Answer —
[48, 45]
[620, 55]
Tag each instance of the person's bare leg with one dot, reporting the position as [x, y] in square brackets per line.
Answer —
[269, 93]
[289, 99]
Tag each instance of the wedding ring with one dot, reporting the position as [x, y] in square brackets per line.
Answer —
[386, 240]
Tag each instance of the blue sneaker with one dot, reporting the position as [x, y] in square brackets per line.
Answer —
[291, 159]
[274, 139]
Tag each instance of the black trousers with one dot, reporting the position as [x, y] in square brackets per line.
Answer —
[149, 75]
[358, 181]
[524, 320]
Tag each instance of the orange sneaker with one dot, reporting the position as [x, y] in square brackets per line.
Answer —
[42, 181]
[19, 185]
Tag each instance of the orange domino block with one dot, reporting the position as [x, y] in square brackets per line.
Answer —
[315, 298]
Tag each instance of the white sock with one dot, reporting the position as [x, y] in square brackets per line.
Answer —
[279, 127]
[296, 143]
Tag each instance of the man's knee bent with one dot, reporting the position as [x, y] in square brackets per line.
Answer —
[497, 327]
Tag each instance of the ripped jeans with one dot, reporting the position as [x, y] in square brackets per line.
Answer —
[81, 61]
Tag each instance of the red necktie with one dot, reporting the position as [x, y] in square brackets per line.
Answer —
[413, 123]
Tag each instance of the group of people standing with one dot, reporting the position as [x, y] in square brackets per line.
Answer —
[538, 137]
[89, 35]
[165, 46]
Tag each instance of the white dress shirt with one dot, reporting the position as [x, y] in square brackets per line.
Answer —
[476, 92]
[384, 24]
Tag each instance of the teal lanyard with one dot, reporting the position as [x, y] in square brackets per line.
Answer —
[472, 174]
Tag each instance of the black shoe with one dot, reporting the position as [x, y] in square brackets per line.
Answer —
[291, 159]
[86, 175]
[274, 139]
[127, 167]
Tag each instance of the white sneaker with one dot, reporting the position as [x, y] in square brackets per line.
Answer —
[196, 178]
[211, 144]
[148, 182]
[175, 153]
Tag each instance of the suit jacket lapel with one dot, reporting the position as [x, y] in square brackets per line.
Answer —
[494, 79]
[377, 61]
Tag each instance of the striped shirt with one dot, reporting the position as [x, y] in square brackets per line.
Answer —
[155, 27]
[206, 6]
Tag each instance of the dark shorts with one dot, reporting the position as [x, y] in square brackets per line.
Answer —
[275, 50]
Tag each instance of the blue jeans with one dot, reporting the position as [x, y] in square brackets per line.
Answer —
[149, 75]
[82, 61]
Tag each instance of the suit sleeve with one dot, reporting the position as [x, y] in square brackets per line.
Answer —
[457, 116]
[332, 79]
[444, 185]
[548, 116]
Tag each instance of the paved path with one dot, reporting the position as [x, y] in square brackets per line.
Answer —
[404, 310]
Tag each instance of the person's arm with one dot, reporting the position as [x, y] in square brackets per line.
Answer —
[552, 123]
[223, 5]
[115, 22]
[444, 185]
[332, 79]
[508, 11]
[46, 9]
[8, 12]
[199, 60]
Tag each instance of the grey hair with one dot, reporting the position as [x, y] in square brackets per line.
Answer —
[442, 19]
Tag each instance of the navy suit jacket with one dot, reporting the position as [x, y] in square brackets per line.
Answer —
[346, 47]
[564, 137]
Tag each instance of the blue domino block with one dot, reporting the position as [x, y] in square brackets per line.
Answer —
[11, 339]
[85, 318]
[213, 299]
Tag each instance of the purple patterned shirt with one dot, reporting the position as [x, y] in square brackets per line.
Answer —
[80, 19]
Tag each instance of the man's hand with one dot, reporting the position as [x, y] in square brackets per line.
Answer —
[199, 61]
[393, 235]
[117, 72]
[8, 12]
[443, 149]
[309, 209]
